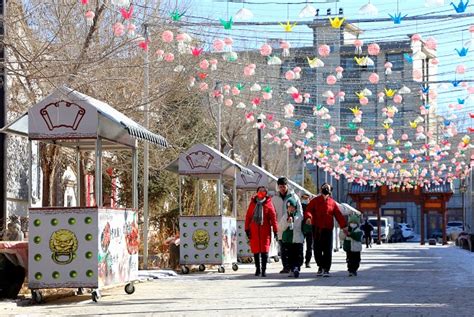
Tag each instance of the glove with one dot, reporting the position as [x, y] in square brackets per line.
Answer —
[248, 234]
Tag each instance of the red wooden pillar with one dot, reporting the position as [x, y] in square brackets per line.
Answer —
[445, 218]
[422, 224]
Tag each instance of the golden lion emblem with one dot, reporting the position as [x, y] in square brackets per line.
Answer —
[201, 239]
[63, 244]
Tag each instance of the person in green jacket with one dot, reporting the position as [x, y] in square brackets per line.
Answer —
[353, 245]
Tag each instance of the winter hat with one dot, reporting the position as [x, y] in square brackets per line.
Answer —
[282, 181]
[292, 202]
[354, 219]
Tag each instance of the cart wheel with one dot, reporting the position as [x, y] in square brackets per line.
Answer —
[221, 269]
[235, 266]
[37, 296]
[129, 288]
[202, 268]
[80, 291]
[95, 296]
[184, 269]
[276, 258]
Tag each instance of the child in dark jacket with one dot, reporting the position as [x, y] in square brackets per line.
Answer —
[353, 245]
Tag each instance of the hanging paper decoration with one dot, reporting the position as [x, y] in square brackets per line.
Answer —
[243, 14]
[159, 55]
[228, 41]
[331, 80]
[374, 78]
[203, 86]
[120, 3]
[118, 29]
[176, 16]
[339, 71]
[285, 46]
[369, 9]
[307, 12]
[431, 43]
[167, 36]
[315, 62]
[461, 7]
[462, 52]
[274, 60]
[230, 56]
[456, 83]
[388, 68]
[397, 99]
[289, 108]
[397, 17]
[227, 24]
[389, 92]
[358, 46]
[297, 71]
[84, 2]
[204, 64]
[169, 57]
[89, 17]
[336, 22]
[341, 96]
[404, 90]
[324, 50]
[127, 14]
[265, 50]
[288, 27]
[218, 45]
[213, 63]
[460, 69]
[290, 75]
[381, 97]
[374, 49]
[144, 44]
[196, 51]
[408, 58]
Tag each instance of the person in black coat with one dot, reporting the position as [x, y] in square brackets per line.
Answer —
[367, 228]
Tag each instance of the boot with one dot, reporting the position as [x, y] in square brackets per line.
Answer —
[264, 264]
[256, 257]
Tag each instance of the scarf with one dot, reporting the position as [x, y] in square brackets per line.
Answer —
[258, 211]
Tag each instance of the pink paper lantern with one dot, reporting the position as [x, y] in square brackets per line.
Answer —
[381, 137]
[470, 90]
[297, 69]
[420, 129]
[203, 86]
[416, 37]
[290, 75]
[358, 43]
[360, 131]
[204, 64]
[404, 137]
[235, 91]
[460, 69]
[389, 131]
[267, 95]
[228, 102]
[417, 74]
[339, 69]
[471, 29]
[331, 80]
[228, 41]
[181, 37]
[358, 138]
[374, 78]
[374, 49]
[324, 50]
[118, 29]
[218, 45]
[397, 98]
[169, 57]
[167, 36]
[330, 101]
[265, 50]
[431, 43]
[364, 101]
[434, 61]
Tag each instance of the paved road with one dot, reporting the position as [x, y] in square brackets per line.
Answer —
[394, 280]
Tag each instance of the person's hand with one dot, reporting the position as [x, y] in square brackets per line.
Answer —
[308, 221]
[346, 231]
[290, 219]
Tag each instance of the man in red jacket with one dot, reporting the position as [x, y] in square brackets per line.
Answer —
[320, 213]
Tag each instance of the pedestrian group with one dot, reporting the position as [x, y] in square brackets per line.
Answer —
[294, 221]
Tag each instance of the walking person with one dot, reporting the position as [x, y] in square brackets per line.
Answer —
[259, 222]
[367, 228]
[280, 202]
[308, 232]
[320, 214]
[353, 245]
[291, 224]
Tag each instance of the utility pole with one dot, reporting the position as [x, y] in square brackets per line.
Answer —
[3, 111]
[146, 152]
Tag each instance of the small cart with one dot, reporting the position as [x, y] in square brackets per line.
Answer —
[87, 246]
[207, 206]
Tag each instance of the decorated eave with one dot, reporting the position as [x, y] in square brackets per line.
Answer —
[204, 161]
[70, 118]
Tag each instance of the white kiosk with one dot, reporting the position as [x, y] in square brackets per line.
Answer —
[207, 207]
[89, 245]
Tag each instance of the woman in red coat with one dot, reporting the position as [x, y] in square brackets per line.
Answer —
[259, 222]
